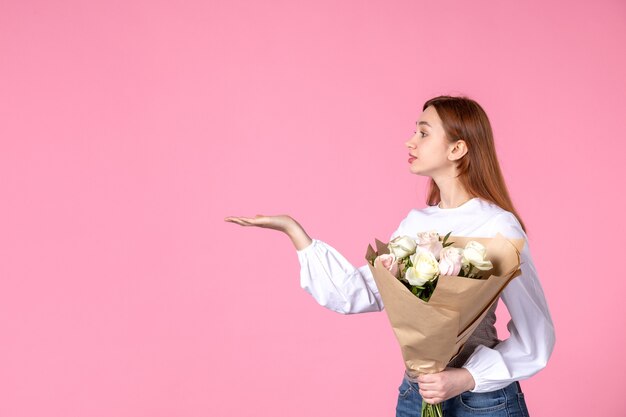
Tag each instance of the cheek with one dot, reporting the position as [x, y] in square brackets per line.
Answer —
[442, 151]
[434, 152]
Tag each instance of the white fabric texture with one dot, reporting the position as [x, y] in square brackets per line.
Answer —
[338, 285]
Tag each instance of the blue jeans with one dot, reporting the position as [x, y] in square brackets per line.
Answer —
[505, 402]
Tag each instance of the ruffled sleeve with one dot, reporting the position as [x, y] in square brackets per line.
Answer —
[531, 329]
[335, 283]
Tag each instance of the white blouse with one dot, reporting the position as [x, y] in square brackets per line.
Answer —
[337, 285]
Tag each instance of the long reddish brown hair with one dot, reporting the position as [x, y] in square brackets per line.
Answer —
[479, 170]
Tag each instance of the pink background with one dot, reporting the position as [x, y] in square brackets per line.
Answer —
[130, 129]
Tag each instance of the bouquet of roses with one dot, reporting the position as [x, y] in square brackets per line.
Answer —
[435, 294]
[418, 262]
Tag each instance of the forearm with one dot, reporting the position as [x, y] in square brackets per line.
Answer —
[298, 236]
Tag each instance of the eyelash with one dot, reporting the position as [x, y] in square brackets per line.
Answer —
[423, 133]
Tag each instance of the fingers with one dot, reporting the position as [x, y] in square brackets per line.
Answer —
[431, 397]
[427, 393]
[430, 387]
[280, 223]
[428, 378]
[259, 220]
[432, 401]
[244, 221]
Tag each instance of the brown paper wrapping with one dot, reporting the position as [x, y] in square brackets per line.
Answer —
[432, 333]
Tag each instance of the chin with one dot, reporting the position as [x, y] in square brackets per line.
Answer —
[419, 173]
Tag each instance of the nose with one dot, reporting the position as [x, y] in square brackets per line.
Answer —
[409, 143]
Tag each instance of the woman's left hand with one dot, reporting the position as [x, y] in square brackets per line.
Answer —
[436, 388]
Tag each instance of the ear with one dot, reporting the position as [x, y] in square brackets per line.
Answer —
[457, 150]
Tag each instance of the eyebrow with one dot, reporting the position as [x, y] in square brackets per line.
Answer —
[423, 123]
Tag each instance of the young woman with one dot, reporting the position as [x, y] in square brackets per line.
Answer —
[453, 145]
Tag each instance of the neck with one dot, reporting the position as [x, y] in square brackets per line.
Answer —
[452, 193]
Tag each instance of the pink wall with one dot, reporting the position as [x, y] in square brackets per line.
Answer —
[130, 129]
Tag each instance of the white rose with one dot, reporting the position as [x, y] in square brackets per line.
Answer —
[474, 254]
[425, 268]
[429, 241]
[451, 260]
[402, 246]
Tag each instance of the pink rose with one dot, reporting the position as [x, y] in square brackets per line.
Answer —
[429, 241]
[390, 262]
[451, 260]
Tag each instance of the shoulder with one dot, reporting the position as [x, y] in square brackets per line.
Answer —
[507, 224]
[406, 221]
[499, 220]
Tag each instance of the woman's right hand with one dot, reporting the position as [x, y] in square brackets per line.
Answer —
[282, 223]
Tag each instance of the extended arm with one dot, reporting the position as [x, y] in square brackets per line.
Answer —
[335, 283]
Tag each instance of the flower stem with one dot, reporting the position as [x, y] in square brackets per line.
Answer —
[430, 410]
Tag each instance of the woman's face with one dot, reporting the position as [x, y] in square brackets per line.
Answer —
[429, 148]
